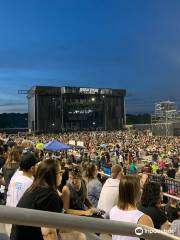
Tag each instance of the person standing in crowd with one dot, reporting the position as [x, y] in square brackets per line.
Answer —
[103, 160]
[155, 156]
[154, 168]
[177, 175]
[97, 160]
[110, 190]
[126, 209]
[146, 168]
[41, 195]
[133, 168]
[2, 156]
[117, 151]
[94, 186]
[65, 175]
[171, 172]
[130, 157]
[150, 205]
[2, 162]
[20, 181]
[175, 162]
[161, 164]
[23, 181]
[11, 165]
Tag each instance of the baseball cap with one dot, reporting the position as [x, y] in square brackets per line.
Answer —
[27, 161]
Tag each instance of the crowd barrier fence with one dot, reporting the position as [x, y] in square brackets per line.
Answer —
[171, 187]
[37, 218]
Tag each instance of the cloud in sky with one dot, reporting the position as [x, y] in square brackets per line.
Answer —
[132, 44]
[17, 108]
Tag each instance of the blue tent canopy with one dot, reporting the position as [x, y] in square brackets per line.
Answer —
[55, 145]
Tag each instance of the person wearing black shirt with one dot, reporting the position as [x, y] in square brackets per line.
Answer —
[42, 195]
[2, 162]
[2, 159]
[172, 211]
[74, 195]
[150, 205]
[171, 172]
[65, 175]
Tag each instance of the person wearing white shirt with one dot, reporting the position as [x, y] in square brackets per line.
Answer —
[110, 190]
[21, 181]
[126, 209]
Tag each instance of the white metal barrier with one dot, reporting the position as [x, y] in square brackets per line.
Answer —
[22, 216]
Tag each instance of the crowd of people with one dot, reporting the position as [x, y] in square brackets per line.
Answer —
[72, 182]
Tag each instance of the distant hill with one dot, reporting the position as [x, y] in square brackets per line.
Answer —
[138, 119]
[20, 120]
[13, 120]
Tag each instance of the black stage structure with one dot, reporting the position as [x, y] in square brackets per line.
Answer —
[59, 109]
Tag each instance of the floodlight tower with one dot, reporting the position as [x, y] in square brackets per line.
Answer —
[164, 116]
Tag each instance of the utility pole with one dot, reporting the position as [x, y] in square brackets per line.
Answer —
[105, 114]
[62, 113]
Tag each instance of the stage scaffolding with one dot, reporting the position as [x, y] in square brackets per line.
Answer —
[165, 121]
[61, 109]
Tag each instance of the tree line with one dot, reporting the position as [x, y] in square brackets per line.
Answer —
[20, 120]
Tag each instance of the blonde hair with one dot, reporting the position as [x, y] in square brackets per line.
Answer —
[115, 170]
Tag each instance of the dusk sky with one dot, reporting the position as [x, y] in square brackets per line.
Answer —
[129, 44]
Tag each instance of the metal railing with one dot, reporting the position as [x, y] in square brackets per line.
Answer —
[37, 218]
[169, 185]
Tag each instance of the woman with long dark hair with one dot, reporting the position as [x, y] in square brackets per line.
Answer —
[150, 205]
[41, 195]
[11, 165]
[74, 194]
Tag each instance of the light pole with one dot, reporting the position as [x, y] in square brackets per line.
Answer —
[124, 113]
[105, 113]
[62, 113]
